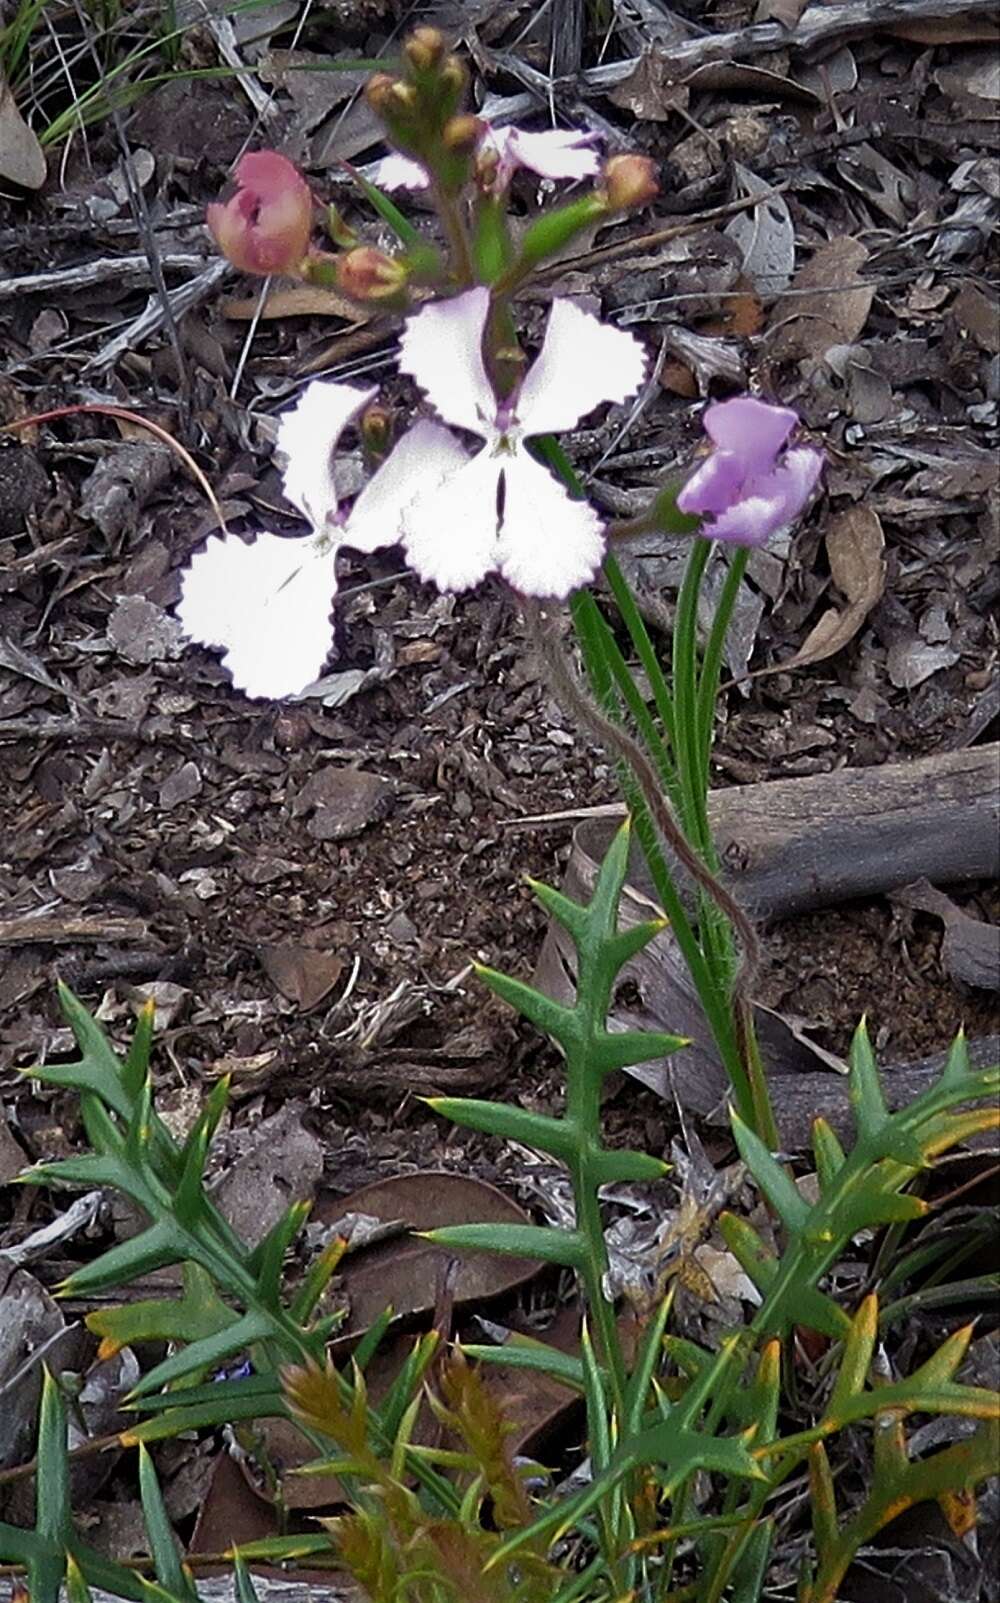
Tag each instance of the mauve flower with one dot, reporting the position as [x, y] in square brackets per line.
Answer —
[268, 604]
[502, 511]
[748, 488]
[554, 153]
[265, 226]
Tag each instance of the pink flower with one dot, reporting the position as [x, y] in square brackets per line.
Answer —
[502, 510]
[268, 604]
[265, 226]
[556, 153]
[747, 488]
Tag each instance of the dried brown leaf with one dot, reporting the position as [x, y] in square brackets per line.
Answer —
[22, 159]
[855, 546]
[296, 300]
[826, 304]
[300, 973]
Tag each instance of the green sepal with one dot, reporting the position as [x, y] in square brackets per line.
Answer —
[664, 513]
[538, 1130]
[554, 230]
[519, 1241]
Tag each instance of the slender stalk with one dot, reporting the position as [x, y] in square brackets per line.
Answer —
[454, 226]
[639, 636]
[708, 685]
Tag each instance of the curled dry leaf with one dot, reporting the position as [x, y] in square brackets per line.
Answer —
[855, 546]
[827, 302]
[970, 951]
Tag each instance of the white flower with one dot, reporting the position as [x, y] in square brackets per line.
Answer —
[268, 604]
[555, 153]
[502, 510]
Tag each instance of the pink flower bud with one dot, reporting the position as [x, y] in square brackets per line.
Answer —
[629, 181]
[265, 226]
[367, 274]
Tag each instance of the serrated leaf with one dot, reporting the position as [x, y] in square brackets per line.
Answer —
[198, 1312]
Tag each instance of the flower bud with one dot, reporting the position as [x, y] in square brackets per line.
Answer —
[265, 226]
[367, 274]
[461, 135]
[630, 181]
[424, 49]
[377, 90]
[375, 427]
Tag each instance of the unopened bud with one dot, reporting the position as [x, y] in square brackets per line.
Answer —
[265, 226]
[367, 274]
[377, 90]
[630, 181]
[424, 49]
[453, 77]
[376, 431]
[462, 134]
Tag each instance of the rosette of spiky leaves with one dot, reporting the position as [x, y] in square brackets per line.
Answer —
[860, 1191]
[52, 1553]
[133, 1152]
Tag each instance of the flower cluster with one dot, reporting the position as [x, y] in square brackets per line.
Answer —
[458, 516]
[462, 491]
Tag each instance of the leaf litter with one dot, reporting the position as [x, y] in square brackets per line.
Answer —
[312, 880]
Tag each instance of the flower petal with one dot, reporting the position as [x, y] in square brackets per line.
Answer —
[753, 430]
[450, 536]
[425, 456]
[582, 363]
[774, 502]
[398, 172]
[714, 484]
[442, 348]
[267, 604]
[549, 543]
[556, 153]
[308, 435]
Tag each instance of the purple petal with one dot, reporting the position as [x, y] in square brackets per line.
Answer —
[750, 429]
[714, 485]
[774, 500]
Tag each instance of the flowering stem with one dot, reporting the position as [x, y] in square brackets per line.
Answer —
[454, 227]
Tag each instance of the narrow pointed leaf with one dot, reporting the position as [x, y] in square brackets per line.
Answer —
[162, 1542]
[621, 1049]
[780, 1191]
[520, 1241]
[856, 1361]
[571, 915]
[829, 1153]
[864, 1085]
[162, 1244]
[269, 1258]
[555, 1136]
[53, 1520]
[206, 1354]
[548, 1016]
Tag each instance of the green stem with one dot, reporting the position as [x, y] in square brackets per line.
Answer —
[639, 636]
[708, 686]
[458, 238]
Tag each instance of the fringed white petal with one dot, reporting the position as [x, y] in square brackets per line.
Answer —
[308, 435]
[450, 534]
[442, 349]
[267, 604]
[426, 455]
[581, 364]
[557, 153]
[549, 544]
[399, 172]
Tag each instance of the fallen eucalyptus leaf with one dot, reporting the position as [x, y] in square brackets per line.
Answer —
[855, 546]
